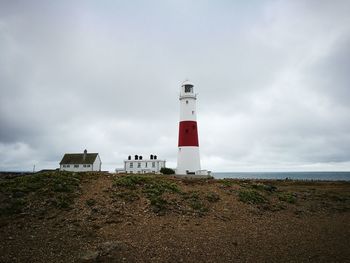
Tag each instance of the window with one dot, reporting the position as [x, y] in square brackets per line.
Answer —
[153, 164]
[138, 165]
[88, 165]
[186, 101]
[76, 165]
[188, 88]
[84, 165]
[192, 112]
[68, 165]
[146, 164]
[131, 165]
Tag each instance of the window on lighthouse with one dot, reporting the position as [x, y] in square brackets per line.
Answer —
[188, 88]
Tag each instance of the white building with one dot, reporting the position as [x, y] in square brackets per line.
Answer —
[139, 165]
[81, 162]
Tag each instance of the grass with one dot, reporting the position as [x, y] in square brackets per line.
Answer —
[264, 187]
[227, 183]
[251, 197]
[156, 190]
[287, 197]
[130, 181]
[212, 197]
[195, 201]
[57, 189]
[154, 187]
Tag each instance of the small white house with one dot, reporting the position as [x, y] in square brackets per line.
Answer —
[140, 166]
[81, 162]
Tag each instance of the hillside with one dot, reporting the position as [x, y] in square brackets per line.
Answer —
[100, 217]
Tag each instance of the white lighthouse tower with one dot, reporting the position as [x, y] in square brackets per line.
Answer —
[188, 160]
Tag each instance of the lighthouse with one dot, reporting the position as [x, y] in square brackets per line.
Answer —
[188, 160]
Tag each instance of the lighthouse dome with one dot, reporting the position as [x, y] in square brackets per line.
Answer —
[187, 82]
[186, 90]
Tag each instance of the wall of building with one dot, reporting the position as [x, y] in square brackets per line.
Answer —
[97, 164]
[73, 168]
[144, 166]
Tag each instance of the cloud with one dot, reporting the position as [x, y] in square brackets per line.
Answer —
[271, 76]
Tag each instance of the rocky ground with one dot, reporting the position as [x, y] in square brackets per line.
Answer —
[100, 217]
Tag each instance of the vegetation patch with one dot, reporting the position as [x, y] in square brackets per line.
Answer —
[227, 182]
[212, 197]
[20, 193]
[165, 170]
[158, 203]
[195, 202]
[130, 181]
[287, 197]
[154, 187]
[162, 193]
[251, 197]
[129, 196]
[264, 187]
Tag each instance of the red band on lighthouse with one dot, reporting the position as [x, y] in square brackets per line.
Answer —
[188, 134]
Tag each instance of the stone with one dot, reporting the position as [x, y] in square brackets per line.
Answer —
[90, 256]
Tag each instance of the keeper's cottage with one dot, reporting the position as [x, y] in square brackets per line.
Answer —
[142, 166]
[81, 162]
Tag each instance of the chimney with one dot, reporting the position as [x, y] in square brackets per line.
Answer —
[84, 156]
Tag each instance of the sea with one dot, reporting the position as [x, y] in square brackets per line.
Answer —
[311, 176]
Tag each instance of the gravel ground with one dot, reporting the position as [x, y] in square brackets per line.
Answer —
[207, 221]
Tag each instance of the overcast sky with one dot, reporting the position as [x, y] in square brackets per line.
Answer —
[272, 79]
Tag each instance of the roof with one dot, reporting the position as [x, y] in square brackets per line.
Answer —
[145, 160]
[78, 158]
[187, 82]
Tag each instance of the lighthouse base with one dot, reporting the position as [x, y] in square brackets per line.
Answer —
[188, 161]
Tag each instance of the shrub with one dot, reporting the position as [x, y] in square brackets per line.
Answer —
[165, 170]
[25, 193]
[130, 181]
[194, 201]
[264, 187]
[251, 197]
[213, 197]
[287, 197]
[227, 182]
[158, 203]
[153, 186]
